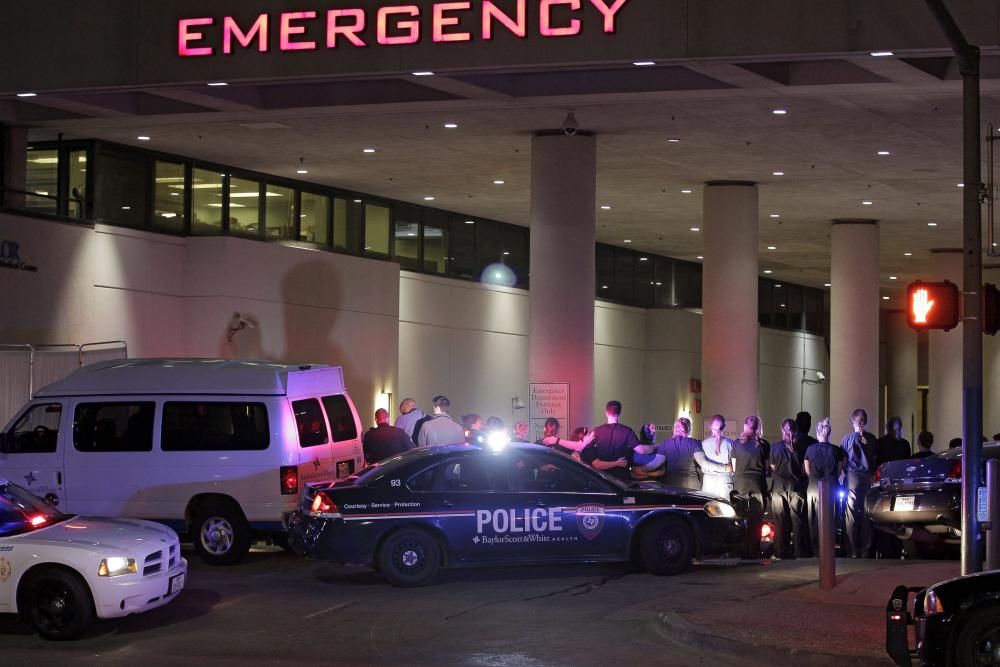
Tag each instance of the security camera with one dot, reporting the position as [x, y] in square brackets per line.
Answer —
[820, 376]
[570, 126]
[239, 322]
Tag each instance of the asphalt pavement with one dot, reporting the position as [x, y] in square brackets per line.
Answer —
[279, 609]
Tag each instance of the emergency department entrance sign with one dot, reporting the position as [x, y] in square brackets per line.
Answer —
[545, 400]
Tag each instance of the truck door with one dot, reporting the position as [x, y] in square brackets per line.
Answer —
[348, 456]
[315, 452]
[33, 455]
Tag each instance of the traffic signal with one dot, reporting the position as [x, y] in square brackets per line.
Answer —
[991, 309]
[933, 305]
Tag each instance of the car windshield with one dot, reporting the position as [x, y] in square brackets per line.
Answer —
[22, 512]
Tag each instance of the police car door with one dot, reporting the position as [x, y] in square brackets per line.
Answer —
[32, 455]
[584, 515]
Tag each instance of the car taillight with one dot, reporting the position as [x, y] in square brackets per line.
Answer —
[766, 531]
[878, 475]
[289, 480]
[37, 520]
[956, 470]
[323, 507]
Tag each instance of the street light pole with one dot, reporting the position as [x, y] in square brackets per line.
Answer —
[972, 335]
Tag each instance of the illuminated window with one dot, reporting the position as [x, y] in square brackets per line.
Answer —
[121, 184]
[313, 221]
[206, 202]
[406, 236]
[377, 230]
[78, 203]
[168, 196]
[280, 205]
[244, 207]
[462, 248]
[435, 243]
[42, 181]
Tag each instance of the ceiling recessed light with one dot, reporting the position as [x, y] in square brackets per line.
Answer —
[499, 182]
[883, 153]
[772, 247]
[893, 278]
[423, 73]
[451, 126]
[126, 208]
[827, 285]
[686, 192]
[882, 54]
[777, 286]
[779, 112]
[428, 198]
[628, 241]
[777, 173]
[644, 63]
[907, 254]
[644, 259]
[775, 215]
[784, 306]
[768, 271]
[302, 171]
[412, 234]
[506, 253]
[604, 287]
[218, 84]
[357, 201]
[701, 257]
[673, 140]
[27, 94]
[961, 185]
[932, 224]
[696, 229]
[470, 222]
[885, 298]
[866, 203]
[368, 150]
[142, 138]
[605, 208]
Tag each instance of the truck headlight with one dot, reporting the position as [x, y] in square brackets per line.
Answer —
[719, 509]
[116, 567]
[932, 605]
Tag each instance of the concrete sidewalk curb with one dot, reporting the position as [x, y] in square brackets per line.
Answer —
[688, 634]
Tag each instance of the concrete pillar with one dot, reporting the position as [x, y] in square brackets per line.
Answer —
[991, 365]
[901, 372]
[944, 360]
[730, 333]
[563, 270]
[854, 322]
[14, 163]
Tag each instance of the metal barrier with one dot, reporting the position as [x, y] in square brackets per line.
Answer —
[27, 368]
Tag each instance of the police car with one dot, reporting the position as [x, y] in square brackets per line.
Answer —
[460, 505]
[956, 622]
[59, 571]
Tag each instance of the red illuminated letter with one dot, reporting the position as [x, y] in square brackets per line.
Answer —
[411, 28]
[546, 19]
[288, 31]
[609, 12]
[349, 31]
[231, 29]
[440, 22]
[185, 36]
[493, 13]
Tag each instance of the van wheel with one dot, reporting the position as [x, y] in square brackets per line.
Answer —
[667, 546]
[58, 604]
[409, 558]
[221, 534]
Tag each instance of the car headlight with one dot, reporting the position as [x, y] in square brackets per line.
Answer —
[932, 605]
[719, 509]
[116, 567]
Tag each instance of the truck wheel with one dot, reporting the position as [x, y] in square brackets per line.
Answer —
[666, 546]
[978, 643]
[58, 604]
[409, 558]
[221, 534]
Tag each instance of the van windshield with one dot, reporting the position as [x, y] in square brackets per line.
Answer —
[23, 512]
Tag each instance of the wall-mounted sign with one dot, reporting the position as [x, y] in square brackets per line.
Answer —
[391, 24]
[10, 257]
[545, 400]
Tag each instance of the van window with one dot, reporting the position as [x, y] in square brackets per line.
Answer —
[214, 427]
[37, 431]
[309, 418]
[113, 427]
[341, 418]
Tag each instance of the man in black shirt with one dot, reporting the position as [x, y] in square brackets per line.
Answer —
[893, 446]
[384, 441]
[802, 441]
[926, 443]
[684, 458]
[613, 445]
[788, 496]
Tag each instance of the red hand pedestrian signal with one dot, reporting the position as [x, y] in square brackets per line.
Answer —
[933, 305]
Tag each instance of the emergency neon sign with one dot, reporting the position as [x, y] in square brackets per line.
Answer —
[388, 25]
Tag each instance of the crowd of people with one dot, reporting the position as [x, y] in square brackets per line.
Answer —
[780, 478]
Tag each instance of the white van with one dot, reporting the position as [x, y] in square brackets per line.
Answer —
[212, 448]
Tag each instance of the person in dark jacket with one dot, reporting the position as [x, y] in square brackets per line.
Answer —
[613, 447]
[788, 496]
[824, 462]
[892, 446]
[384, 441]
[925, 441]
[684, 458]
[803, 424]
[750, 479]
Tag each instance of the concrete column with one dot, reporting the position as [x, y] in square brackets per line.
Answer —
[991, 365]
[854, 322]
[944, 360]
[14, 162]
[730, 333]
[901, 372]
[563, 270]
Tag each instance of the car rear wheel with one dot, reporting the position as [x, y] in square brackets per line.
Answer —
[667, 546]
[58, 604]
[221, 534]
[978, 642]
[409, 558]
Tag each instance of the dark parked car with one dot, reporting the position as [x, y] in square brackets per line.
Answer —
[956, 623]
[920, 500]
[462, 505]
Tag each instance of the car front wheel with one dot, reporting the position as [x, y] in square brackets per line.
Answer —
[409, 558]
[978, 643]
[667, 546]
[58, 604]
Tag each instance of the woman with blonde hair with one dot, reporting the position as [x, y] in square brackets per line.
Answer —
[750, 478]
[718, 449]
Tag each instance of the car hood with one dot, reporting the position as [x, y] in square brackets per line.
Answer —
[87, 532]
[657, 494]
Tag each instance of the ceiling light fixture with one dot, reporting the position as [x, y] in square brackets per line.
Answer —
[961, 185]
[882, 54]
[143, 138]
[866, 203]
[779, 112]
[302, 168]
[27, 94]
[470, 222]
[907, 254]
[217, 84]
[885, 298]
[696, 229]
[893, 278]
[701, 257]
[686, 192]
[628, 241]
[644, 259]
[357, 201]
[673, 140]
[883, 153]
[775, 215]
[644, 63]
[499, 182]
[451, 126]
[423, 73]
[772, 247]
[777, 173]
[428, 198]
[368, 150]
[932, 224]
[768, 271]
[605, 208]
[827, 285]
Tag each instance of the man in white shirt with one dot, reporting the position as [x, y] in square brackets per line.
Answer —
[441, 429]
